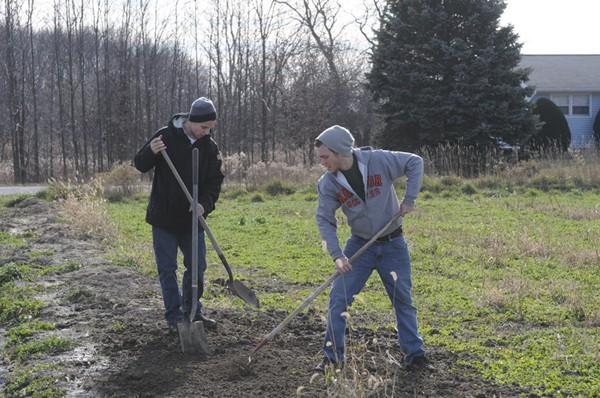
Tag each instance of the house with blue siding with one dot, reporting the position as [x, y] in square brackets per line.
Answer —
[572, 82]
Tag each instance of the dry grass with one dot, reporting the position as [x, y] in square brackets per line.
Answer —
[84, 208]
[533, 248]
[365, 374]
[494, 298]
[508, 293]
[240, 171]
[122, 181]
[550, 169]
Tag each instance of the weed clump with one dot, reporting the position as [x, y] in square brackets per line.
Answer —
[468, 189]
[277, 187]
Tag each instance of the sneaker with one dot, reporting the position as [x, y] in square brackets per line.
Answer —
[420, 363]
[326, 362]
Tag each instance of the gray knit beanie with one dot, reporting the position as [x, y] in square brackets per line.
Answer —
[338, 139]
[202, 110]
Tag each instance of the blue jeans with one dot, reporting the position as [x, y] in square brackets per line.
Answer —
[384, 257]
[165, 244]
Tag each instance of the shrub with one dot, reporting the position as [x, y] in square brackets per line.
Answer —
[257, 198]
[451, 181]
[234, 193]
[88, 215]
[431, 184]
[58, 190]
[275, 188]
[597, 129]
[122, 181]
[468, 189]
[555, 130]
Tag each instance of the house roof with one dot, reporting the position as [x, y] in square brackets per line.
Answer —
[562, 72]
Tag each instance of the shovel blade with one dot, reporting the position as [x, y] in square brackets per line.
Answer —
[243, 292]
[192, 337]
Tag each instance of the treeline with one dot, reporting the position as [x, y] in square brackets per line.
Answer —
[86, 83]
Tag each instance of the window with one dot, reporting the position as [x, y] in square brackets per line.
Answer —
[572, 105]
[562, 101]
[581, 105]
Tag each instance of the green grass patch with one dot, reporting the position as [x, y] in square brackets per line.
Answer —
[13, 272]
[8, 239]
[17, 304]
[47, 346]
[58, 269]
[41, 253]
[118, 327]
[23, 332]
[15, 200]
[38, 381]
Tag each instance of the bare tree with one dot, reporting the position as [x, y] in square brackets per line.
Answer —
[35, 116]
[82, 74]
[320, 17]
[12, 83]
[70, 23]
[58, 72]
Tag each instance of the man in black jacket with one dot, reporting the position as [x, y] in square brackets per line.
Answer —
[169, 211]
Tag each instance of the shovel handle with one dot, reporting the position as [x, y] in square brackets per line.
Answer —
[203, 223]
[195, 160]
[324, 285]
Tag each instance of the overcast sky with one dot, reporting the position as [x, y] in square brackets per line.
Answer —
[556, 26]
[544, 26]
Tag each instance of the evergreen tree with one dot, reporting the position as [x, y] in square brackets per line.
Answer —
[446, 72]
[555, 131]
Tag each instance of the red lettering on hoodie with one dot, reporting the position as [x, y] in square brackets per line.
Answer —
[343, 195]
[374, 181]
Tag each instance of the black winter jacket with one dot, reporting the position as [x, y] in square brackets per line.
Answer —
[169, 207]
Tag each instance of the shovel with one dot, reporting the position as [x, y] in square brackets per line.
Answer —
[245, 367]
[191, 334]
[234, 286]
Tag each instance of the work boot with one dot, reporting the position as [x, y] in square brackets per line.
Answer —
[208, 323]
[420, 363]
[172, 326]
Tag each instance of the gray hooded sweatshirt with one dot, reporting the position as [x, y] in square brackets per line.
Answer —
[379, 169]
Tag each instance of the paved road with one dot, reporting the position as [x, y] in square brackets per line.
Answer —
[17, 189]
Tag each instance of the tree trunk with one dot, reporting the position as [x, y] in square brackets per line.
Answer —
[82, 83]
[59, 84]
[35, 116]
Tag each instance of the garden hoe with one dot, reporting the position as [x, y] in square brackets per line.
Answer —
[234, 286]
[245, 366]
[191, 334]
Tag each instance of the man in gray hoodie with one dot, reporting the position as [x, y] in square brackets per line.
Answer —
[360, 181]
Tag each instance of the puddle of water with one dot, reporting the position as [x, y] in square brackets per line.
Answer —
[89, 362]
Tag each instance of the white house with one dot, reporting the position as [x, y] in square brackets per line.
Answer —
[572, 82]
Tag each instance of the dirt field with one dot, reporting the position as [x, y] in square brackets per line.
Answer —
[123, 348]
